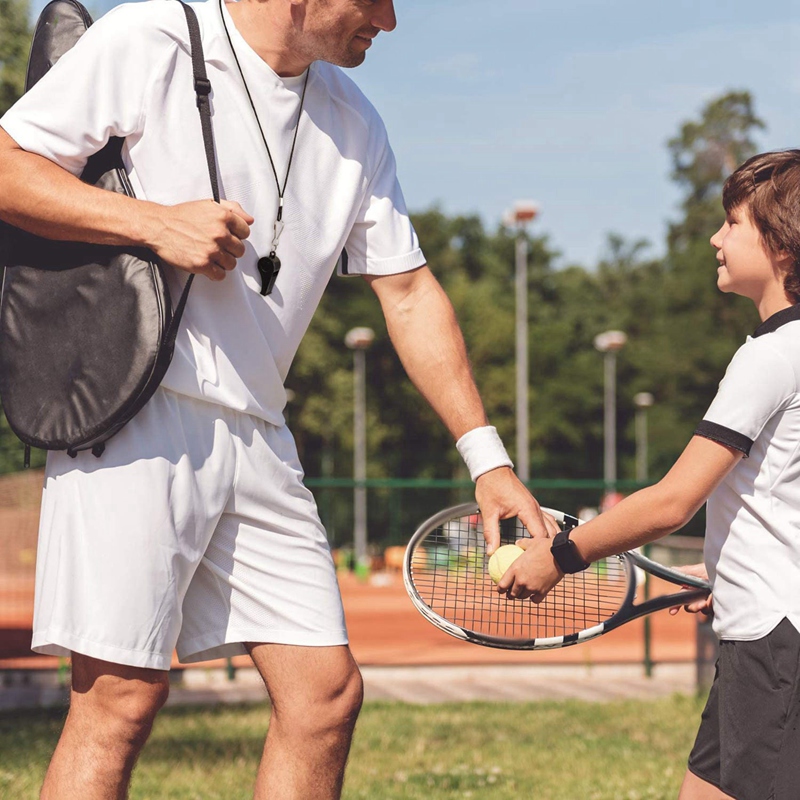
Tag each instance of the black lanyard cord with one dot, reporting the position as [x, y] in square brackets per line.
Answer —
[281, 190]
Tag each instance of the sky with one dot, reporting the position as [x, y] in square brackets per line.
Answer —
[570, 103]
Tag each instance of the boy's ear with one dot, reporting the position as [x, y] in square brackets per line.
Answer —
[783, 257]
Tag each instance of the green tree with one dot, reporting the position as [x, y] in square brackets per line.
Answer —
[702, 328]
[707, 150]
[15, 40]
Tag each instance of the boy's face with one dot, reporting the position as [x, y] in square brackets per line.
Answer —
[746, 267]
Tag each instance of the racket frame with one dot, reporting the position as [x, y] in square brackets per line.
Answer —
[626, 612]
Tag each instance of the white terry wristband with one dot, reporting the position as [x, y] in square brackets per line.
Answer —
[482, 450]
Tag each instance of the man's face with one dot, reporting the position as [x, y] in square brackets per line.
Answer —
[341, 31]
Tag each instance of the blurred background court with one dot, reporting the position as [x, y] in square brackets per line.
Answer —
[384, 627]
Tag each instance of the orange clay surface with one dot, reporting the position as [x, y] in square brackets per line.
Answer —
[385, 629]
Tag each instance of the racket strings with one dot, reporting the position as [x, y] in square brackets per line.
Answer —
[450, 573]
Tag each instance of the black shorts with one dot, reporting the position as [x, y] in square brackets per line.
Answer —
[748, 744]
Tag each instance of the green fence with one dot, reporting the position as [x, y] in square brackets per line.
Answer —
[396, 507]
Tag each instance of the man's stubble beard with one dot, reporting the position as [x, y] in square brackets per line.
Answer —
[323, 47]
[346, 57]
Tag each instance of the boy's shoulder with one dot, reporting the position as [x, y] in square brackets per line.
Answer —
[766, 366]
[786, 338]
[779, 339]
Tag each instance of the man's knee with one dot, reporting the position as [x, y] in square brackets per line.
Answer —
[337, 704]
[347, 703]
[121, 702]
[330, 708]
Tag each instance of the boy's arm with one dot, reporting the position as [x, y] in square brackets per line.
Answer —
[643, 517]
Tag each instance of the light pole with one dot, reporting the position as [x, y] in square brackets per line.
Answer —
[642, 401]
[609, 343]
[358, 340]
[522, 213]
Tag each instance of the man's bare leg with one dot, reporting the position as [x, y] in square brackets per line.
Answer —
[316, 695]
[111, 713]
[695, 788]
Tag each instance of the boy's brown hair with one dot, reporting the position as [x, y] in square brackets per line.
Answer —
[768, 185]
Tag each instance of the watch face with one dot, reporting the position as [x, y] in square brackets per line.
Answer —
[566, 554]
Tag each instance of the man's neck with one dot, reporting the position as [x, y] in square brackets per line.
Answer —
[263, 28]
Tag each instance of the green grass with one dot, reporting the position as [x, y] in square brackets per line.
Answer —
[487, 751]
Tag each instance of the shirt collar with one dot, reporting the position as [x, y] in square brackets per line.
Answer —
[217, 48]
[777, 319]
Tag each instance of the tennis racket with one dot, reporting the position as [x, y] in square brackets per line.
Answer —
[446, 576]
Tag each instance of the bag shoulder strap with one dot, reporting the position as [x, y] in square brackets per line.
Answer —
[202, 88]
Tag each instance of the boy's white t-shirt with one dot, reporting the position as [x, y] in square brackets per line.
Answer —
[752, 547]
[131, 76]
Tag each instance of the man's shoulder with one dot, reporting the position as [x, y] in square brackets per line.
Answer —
[144, 24]
[344, 91]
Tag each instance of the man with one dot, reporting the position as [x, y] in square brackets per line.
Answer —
[194, 529]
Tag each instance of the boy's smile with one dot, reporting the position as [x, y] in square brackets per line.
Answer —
[746, 266]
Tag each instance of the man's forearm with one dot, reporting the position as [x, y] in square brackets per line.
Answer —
[42, 198]
[425, 332]
[428, 339]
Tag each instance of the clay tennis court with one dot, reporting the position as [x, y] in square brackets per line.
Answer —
[384, 627]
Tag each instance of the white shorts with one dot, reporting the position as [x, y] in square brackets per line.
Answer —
[193, 531]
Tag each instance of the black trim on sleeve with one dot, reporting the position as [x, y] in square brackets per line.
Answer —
[343, 262]
[777, 319]
[723, 435]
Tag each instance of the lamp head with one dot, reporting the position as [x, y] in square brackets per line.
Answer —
[359, 338]
[610, 341]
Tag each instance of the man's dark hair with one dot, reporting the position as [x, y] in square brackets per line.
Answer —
[768, 186]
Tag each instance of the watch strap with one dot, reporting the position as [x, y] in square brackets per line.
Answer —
[566, 554]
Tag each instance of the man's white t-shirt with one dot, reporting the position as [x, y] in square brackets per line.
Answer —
[752, 547]
[131, 76]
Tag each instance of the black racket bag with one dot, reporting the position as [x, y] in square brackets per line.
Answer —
[87, 332]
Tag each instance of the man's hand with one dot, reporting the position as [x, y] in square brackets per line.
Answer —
[201, 236]
[703, 606]
[533, 574]
[500, 495]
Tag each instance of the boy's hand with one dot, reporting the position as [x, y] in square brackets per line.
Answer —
[702, 606]
[533, 574]
[500, 494]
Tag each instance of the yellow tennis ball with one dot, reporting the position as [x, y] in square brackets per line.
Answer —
[502, 559]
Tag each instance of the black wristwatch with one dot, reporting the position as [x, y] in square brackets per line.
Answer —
[566, 553]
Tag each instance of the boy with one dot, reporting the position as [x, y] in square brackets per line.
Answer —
[745, 460]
